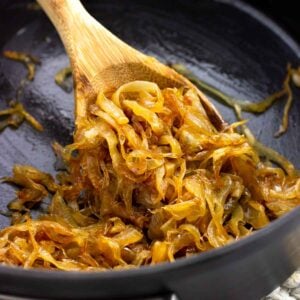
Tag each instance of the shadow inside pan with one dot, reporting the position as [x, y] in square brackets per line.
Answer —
[222, 43]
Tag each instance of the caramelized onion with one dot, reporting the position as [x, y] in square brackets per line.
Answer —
[149, 179]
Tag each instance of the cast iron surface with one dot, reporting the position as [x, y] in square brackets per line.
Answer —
[225, 43]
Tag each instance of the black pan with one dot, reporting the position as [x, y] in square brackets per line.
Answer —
[228, 44]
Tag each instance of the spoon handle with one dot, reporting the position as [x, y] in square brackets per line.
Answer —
[90, 46]
[69, 18]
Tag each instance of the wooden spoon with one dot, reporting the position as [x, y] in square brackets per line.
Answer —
[102, 62]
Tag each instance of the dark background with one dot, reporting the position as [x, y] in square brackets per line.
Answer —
[285, 12]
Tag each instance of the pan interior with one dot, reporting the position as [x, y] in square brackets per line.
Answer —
[224, 45]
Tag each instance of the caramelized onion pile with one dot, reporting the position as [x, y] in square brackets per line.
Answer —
[149, 179]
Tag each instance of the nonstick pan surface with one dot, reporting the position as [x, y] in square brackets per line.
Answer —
[226, 43]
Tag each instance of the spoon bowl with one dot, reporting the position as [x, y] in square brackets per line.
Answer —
[101, 62]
